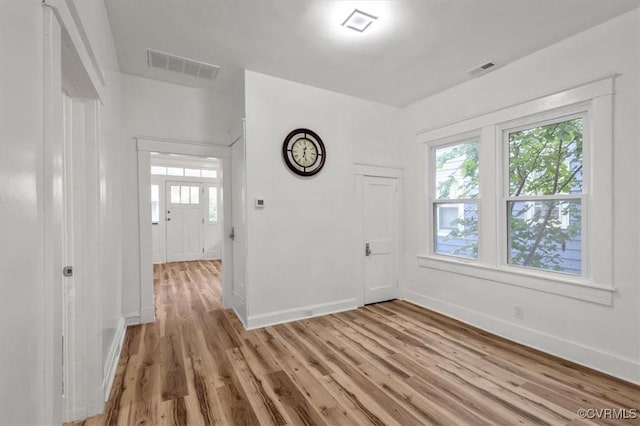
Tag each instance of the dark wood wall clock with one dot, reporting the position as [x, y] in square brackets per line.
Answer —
[303, 152]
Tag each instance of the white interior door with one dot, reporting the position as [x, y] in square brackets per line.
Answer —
[380, 248]
[184, 221]
[238, 221]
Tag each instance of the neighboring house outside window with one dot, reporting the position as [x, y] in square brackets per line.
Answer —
[456, 197]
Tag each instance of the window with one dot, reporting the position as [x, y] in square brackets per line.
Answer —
[175, 171]
[447, 218]
[195, 195]
[545, 191]
[184, 171]
[456, 197]
[192, 172]
[155, 204]
[206, 173]
[185, 194]
[545, 203]
[158, 170]
[213, 204]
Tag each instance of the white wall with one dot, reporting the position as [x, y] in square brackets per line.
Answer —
[23, 283]
[162, 110]
[171, 111]
[302, 244]
[603, 337]
[22, 351]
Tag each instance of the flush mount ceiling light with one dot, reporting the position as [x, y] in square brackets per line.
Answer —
[359, 20]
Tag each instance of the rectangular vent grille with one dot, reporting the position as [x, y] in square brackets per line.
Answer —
[165, 61]
[482, 68]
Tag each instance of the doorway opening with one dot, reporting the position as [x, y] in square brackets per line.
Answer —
[186, 226]
[186, 221]
[184, 217]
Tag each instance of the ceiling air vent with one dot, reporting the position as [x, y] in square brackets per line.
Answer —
[482, 68]
[165, 61]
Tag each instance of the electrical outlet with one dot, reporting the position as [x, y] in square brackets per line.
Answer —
[518, 312]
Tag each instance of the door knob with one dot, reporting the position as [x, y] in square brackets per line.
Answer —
[367, 250]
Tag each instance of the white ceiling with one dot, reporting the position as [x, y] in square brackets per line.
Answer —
[415, 48]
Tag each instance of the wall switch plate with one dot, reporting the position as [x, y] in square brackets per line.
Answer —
[259, 203]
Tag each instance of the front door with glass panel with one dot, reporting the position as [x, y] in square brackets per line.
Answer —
[184, 221]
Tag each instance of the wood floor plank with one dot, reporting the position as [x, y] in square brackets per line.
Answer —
[297, 406]
[265, 404]
[388, 364]
[329, 407]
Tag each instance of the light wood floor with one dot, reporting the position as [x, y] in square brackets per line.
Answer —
[388, 364]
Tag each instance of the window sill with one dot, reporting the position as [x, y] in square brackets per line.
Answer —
[573, 287]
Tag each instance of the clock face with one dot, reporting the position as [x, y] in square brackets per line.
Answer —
[303, 152]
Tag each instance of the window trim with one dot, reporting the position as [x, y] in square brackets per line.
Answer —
[598, 286]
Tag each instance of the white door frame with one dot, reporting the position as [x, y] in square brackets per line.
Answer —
[68, 64]
[145, 146]
[362, 170]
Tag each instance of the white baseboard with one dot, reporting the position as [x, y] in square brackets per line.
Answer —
[147, 315]
[82, 413]
[132, 318]
[288, 315]
[625, 369]
[239, 306]
[112, 358]
[95, 409]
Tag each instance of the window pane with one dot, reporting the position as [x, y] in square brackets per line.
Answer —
[155, 203]
[213, 204]
[457, 171]
[158, 170]
[447, 218]
[192, 172]
[546, 235]
[546, 160]
[175, 171]
[195, 195]
[457, 229]
[175, 194]
[184, 195]
[209, 173]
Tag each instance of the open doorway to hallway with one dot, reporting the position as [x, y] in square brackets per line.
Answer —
[187, 227]
[184, 175]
